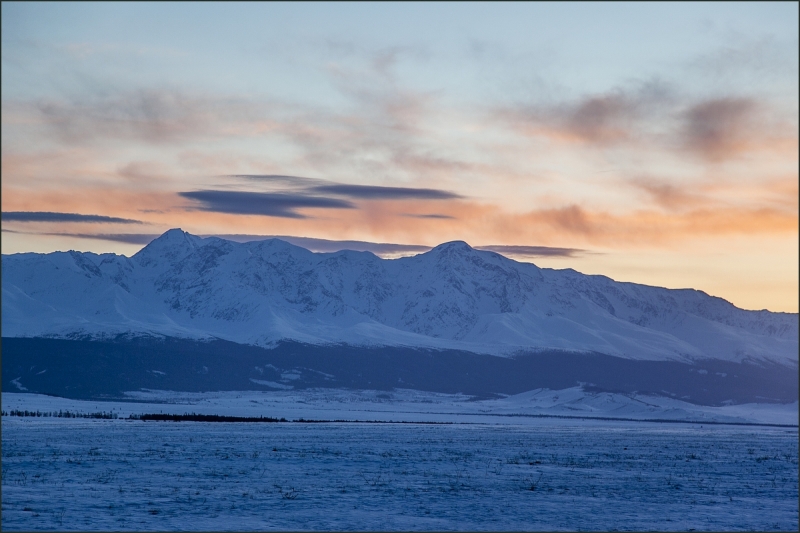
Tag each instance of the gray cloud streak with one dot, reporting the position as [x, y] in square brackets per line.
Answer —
[532, 251]
[374, 192]
[47, 216]
[128, 238]
[261, 203]
[430, 215]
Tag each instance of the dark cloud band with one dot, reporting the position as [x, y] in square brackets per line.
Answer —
[261, 203]
[128, 238]
[361, 192]
[47, 216]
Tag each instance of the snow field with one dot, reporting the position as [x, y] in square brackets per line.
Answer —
[412, 405]
[70, 474]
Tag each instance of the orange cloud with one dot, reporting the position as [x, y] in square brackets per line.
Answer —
[780, 193]
[667, 195]
[110, 201]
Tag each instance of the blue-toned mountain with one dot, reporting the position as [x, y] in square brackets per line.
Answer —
[452, 297]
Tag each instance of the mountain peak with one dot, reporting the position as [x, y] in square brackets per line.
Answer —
[173, 244]
[172, 237]
[454, 246]
[452, 252]
[174, 233]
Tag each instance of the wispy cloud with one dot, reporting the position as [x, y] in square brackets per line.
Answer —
[719, 128]
[649, 227]
[668, 195]
[599, 119]
[47, 216]
[571, 219]
[387, 130]
[762, 57]
[144, 115]
[150, 116]
[659, 117]
[716, 192]
[278, 179]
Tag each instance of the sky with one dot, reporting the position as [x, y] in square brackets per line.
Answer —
[654, 143]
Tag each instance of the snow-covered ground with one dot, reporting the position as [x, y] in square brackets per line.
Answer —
[78, 474]
[412, 405]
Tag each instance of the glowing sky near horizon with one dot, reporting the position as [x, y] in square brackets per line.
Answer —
[655, 143]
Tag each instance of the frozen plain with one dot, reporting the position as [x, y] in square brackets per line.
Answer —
[487, 471]
[413, 405]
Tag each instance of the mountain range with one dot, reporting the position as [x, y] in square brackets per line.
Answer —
[268, 294]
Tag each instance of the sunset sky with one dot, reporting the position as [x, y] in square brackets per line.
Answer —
[655, 143]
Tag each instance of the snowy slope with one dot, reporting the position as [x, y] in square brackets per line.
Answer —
[450, 297]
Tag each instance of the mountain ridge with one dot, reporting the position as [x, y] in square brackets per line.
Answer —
[451, 297]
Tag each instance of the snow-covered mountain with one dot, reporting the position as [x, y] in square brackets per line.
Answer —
[453, 297]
